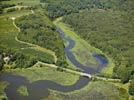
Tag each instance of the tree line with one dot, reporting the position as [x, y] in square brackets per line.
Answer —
[4, 5]
[23, 58]
[38, 29]
[64, 7]
[112, 32]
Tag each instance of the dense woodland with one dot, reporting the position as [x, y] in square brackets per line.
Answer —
[3, 6]
[22, 58]
[38, 29]
[57, 8]
[112, 32]
[105, 24]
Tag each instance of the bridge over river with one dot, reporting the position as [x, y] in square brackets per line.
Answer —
[93, 77]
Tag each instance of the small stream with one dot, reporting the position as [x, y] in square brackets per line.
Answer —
[40, 89]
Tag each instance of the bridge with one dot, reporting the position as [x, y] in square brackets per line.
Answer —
[92, 77]
[64, 69]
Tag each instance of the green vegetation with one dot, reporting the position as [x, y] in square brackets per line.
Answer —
[45, 36]
[3, 6]
[105, 24]
[32, 3]
[17, 13]
[82, 50]
[131, 88]
[2, 87]
[93, 91]
[35, 73]
[63, 7]
[1, 61]
[38, 29]
[19, 54]
[57, 8]
[10, 47]
[112, 32]
[23, 90]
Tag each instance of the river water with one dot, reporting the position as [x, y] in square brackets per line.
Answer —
[40, 89]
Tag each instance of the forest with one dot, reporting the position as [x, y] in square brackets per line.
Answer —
[22, 58]
[110, 30]
[38, 29]
[105, 24]
[64, 7]
[3, 6]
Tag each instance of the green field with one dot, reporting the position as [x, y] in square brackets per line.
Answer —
[7, 29]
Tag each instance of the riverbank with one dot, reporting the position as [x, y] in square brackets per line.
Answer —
[82, 45]
[36, 74]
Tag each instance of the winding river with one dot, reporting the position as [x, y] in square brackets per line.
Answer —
[40, 89]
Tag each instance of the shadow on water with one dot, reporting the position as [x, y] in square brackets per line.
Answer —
[39, 89]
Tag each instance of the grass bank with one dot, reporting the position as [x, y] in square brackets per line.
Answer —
[45, 73]
[93, 91]
[82, 50]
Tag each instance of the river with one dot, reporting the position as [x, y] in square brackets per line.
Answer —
[40, 89]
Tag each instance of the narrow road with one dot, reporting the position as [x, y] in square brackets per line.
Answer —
[93, 77]
[34, 46]
[65, 69]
